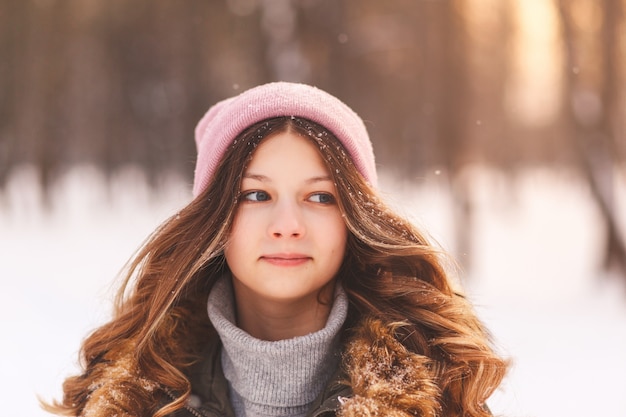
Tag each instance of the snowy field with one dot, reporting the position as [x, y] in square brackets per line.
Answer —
[535, 280]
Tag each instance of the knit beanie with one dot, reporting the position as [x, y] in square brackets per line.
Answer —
[221, 124]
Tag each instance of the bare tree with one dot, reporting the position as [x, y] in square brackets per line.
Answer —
[591, 111]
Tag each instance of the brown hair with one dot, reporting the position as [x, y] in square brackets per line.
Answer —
[390, 273]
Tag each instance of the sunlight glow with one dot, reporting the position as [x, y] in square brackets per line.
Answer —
[535, 82]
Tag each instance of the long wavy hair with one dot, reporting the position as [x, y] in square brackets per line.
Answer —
[391, 273]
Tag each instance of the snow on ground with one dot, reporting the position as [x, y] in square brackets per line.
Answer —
[534, 280]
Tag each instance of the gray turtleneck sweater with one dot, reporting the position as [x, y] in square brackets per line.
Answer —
[280, 378]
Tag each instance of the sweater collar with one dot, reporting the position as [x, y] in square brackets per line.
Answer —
[275, 377]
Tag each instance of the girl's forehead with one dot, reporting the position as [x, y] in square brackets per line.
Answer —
[286, 153]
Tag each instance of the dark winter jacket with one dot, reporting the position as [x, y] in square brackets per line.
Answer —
[378, 377]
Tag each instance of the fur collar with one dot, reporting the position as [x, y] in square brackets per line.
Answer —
[387, 379]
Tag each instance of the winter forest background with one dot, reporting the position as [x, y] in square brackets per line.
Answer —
[498, 125]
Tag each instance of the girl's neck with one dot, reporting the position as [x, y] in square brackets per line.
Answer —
[278, 320]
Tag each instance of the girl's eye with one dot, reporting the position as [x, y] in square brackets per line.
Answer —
[323, 198]
[256, 196]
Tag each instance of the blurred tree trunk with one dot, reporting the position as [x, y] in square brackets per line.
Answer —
[591, 118]
[41, 104]
[11, 61]
[453, 138]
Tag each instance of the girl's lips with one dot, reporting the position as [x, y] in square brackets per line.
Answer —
[286, 260]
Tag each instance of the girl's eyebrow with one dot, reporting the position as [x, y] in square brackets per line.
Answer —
[265, 178]
[319, 179]
[258, 177]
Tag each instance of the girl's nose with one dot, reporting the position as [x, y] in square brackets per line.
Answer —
[287, 222]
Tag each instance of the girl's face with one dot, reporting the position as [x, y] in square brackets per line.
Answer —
[288, 237]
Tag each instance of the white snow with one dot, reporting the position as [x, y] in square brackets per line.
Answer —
[535, 280]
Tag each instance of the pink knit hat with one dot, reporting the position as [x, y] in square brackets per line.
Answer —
[228, 118]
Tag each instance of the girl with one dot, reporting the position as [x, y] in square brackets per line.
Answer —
[286, 287]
